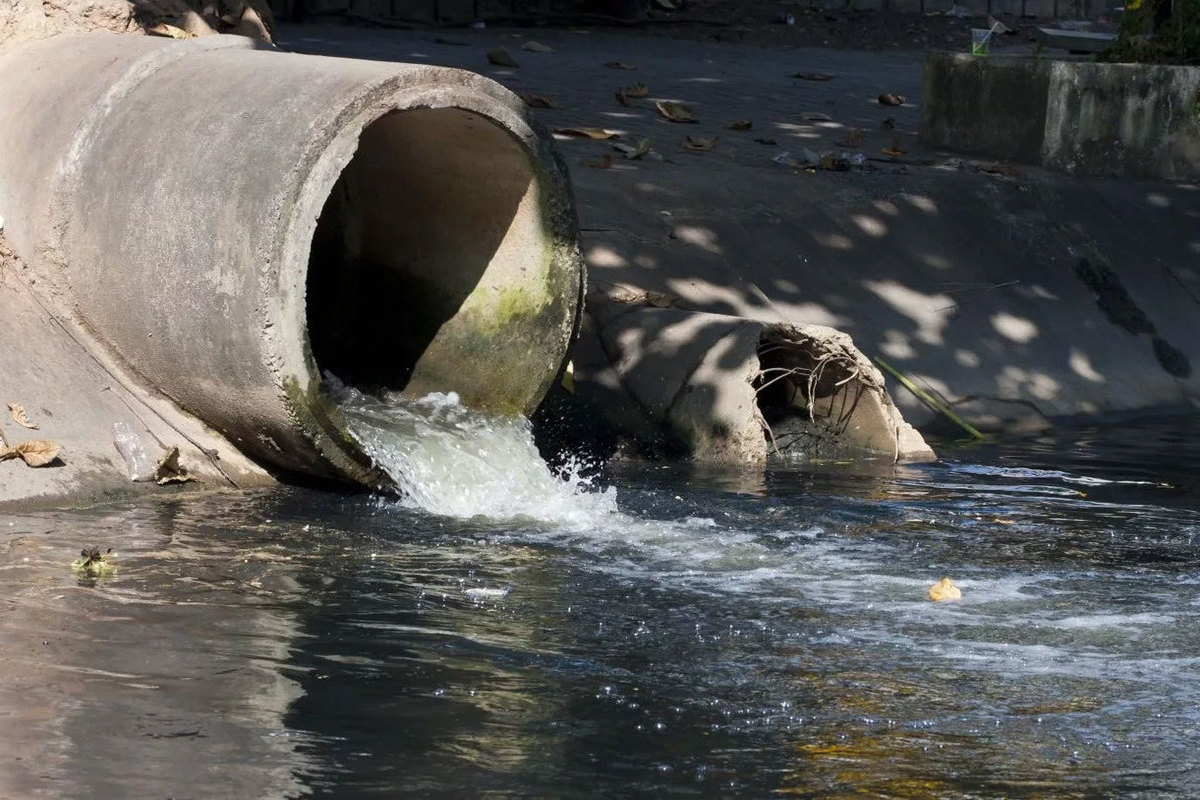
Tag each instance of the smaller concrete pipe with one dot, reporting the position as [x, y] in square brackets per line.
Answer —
[232, 222]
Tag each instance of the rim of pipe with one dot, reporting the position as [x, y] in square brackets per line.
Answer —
[310, 397]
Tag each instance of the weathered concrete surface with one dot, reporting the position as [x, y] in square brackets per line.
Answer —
[1121, 120]
[1022, 299]
[75, 396]
[226, 242]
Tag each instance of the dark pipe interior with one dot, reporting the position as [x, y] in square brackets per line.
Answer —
[406, 234]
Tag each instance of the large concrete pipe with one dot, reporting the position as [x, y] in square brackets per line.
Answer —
[232, 223]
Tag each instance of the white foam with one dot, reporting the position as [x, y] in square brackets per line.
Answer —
[448, 460]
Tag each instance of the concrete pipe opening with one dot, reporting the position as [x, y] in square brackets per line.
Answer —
[437, 205]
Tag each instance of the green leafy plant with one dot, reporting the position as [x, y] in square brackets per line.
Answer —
[1152, 33]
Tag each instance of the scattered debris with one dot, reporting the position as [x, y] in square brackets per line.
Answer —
[20, 417]
[741, 125]
[943, 590]
[94, 564]
[999, 27]
[538, 100]
[588, 133]
[641, 297]
[618, 65]
[502, 58]
[34, 453]
[640, 150]
[700, 144]
[889, 99]
[601, 163]
[675, 112]
[536, 47]
[168, 470]
[894, 150]
[812, 76]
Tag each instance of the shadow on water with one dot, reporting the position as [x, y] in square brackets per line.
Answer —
[719, 634]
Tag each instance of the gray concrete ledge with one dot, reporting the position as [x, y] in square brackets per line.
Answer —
[1111, 120]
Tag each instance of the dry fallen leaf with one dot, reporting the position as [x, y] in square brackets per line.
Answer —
[816, 116]
[638, 90]
[943, 590]
[538, 100]
[700, 144]
[20, 417]
[617, 65]
[639, 297]
[630, 151]
[853, 138]
[894, 150]
[676, 112]
[812, 76]
[170, 31]
[168, 469]
[601, 163]
[588, 133]
[34, 453]
[502, 58]
[536, 47]
[890, 99]
[741, 125]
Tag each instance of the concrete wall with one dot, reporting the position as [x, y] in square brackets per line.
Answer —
[1082, 118]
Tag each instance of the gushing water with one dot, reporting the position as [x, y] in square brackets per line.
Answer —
[449, 460]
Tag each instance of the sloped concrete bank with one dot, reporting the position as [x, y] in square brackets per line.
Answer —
[215, 227]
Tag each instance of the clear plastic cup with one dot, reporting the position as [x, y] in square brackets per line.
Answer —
[980, 41]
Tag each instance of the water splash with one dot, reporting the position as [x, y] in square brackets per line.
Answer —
[449, 460]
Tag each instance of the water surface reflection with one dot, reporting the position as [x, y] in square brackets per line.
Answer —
[719, 635]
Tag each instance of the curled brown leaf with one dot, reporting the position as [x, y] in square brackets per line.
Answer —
[538, 100]
[34, 453]
[587, 133]
[20, 417]
[675, 112]
[700, 144]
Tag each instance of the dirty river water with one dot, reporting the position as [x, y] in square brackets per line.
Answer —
[677, 633]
